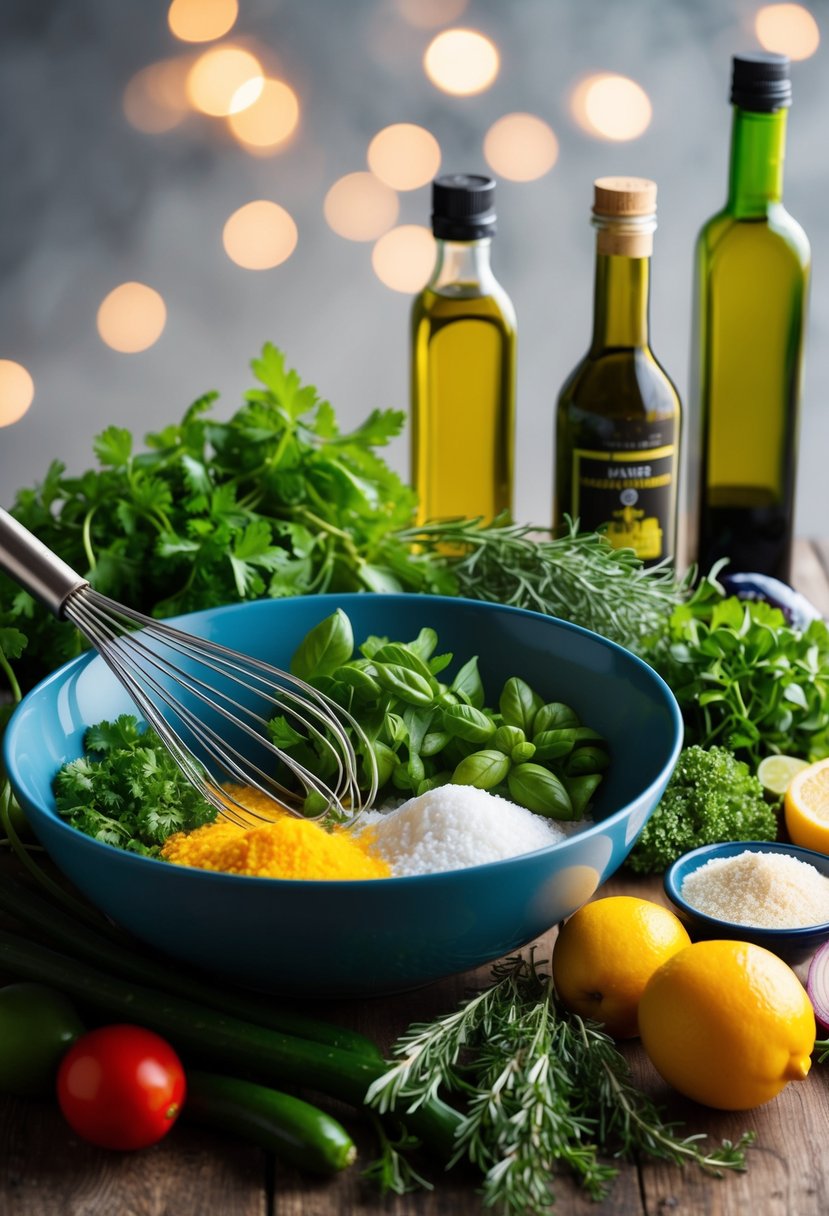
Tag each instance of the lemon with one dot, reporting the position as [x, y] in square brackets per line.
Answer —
[806, 807]
[606, 953]
[727, 1023]
[775, 772]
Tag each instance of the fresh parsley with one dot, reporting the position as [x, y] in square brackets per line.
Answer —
[127, 791]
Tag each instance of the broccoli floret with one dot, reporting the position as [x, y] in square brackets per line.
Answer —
[711, 796]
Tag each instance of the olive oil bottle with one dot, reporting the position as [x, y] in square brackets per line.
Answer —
[463, 363]
[618, 414]
[751, 282]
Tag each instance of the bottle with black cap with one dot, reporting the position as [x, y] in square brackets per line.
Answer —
[463, 363]
[751, 284]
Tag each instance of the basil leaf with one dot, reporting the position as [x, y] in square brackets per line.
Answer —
[401, 656]
[406, 684]
[581, 790]
[508, 737]
[484, 769]
[586, 760]
[417, 725]
[553, 744]
[326, 647]
[467, 684]
[539, 790]
[555, 715]
[424, 644]
[434, 742]
[522, 752]
[365, 686]
[386, 761]
[519, 704]
[466, 722]
[439, 663]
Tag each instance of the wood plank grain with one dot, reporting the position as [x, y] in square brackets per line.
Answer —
[48, 1171]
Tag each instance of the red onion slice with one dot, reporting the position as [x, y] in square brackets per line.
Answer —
[817, 985]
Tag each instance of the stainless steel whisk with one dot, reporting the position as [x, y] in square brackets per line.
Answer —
[208, 704]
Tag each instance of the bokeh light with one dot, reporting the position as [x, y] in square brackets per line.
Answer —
[520, 147]
[201, 20]
[461, 62]
[17, 390]
[216, 78]
[360, 207]
[404, 156]
[270, 121]
[426, 14]
[259, 235]
[155, 100]
[403, 258]
[789, 29]
[611, 107]
[131, 318]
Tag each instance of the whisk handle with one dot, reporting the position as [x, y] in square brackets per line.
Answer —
[35, 568]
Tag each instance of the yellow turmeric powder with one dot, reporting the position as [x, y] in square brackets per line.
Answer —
[287, 847]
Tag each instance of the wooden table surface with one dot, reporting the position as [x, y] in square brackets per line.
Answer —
[46, 1171]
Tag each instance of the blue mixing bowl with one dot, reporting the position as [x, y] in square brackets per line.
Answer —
[337, 939]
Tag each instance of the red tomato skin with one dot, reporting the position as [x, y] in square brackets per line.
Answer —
[121, 1087]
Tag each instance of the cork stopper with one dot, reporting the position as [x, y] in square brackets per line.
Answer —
[624, 211]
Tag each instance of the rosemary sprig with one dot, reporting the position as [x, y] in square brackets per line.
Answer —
[577, 576]
[543, 1089]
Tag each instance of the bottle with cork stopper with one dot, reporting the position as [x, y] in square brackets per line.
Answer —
[618, 415]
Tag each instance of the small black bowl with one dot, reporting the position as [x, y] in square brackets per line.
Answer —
[793, 945]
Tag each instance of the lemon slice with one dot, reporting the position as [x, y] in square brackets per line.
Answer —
[776, 772]
[807, 807]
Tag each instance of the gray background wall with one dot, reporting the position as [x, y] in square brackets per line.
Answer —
[87, 202]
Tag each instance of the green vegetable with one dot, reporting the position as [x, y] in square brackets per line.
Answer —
[422, 733]
[543, 1089]
[124, 957]
[286, 1126]
[270, 1056]
[746, 679]
[37, 1025]
[128, 790]
[711, 796]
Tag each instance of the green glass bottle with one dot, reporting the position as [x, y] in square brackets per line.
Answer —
[751, 283]
[618, 415]
[463, 363]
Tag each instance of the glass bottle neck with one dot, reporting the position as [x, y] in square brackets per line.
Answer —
[620, 302]
[463, 267]
[758, 148]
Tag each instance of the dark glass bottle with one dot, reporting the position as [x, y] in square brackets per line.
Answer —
[752, 270]
[618, 415]
[463, 363]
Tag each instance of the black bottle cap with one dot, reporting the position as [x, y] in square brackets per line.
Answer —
[761, 82]
[463, 207]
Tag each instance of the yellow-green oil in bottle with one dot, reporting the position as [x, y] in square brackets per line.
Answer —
[463, 367]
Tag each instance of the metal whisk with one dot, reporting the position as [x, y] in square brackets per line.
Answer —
[208, 704]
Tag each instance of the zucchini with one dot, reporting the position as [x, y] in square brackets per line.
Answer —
[271, 1056]
[82, 942]
[293, 1130]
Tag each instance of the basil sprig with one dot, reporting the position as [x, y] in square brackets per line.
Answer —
[424, 733]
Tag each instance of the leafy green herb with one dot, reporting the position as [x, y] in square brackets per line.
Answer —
[424, 733]
[577, 576]
[127, 790]
[543, 1089]
[746, 679]
[711, 796]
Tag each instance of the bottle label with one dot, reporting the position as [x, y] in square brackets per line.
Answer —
[632, 492]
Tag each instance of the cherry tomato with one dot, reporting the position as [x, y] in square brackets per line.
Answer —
[121, 1087]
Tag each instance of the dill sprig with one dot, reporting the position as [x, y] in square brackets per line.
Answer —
[543, 1089]
[577, 576]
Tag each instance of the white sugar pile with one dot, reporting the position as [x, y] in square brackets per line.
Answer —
[768, 890]
[455, 826]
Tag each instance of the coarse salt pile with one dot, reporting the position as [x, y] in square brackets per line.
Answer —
[455, 826]
[766, 890]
